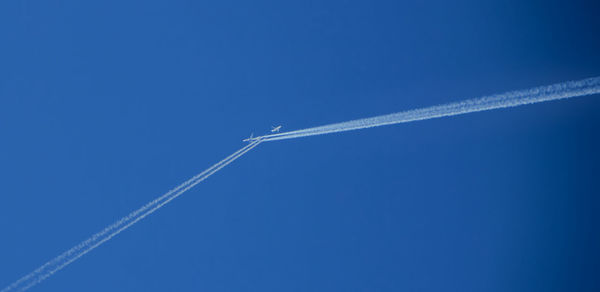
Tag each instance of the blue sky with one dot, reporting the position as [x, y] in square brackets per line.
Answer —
[105, 105]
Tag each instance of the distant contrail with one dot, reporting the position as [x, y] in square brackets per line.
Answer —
[510, 99]
[109, 232]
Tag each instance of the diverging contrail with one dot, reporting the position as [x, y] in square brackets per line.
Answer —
[59, 262]
[509, 99]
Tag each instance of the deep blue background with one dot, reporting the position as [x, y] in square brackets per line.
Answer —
[105, 105]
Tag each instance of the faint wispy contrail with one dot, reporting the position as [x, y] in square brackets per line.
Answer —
[59, 262]
[509, 99]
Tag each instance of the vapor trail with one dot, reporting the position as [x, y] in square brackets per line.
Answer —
[59, 262]
[510, 99]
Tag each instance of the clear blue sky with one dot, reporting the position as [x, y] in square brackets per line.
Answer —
[105, 105]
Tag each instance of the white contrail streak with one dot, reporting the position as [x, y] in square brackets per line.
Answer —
[59, 262]
[510, 99]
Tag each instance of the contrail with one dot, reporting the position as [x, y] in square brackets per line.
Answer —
[59, 262]
[510, 99]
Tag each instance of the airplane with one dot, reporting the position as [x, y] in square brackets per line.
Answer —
[250, 139]
[275, 129]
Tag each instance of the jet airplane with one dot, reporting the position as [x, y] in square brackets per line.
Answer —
[275, 129]
[250, 139]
